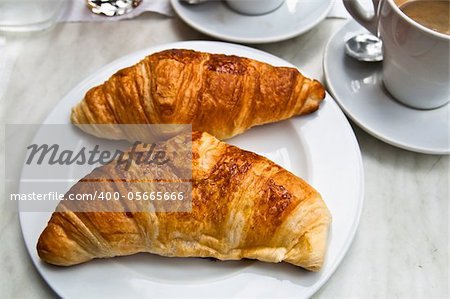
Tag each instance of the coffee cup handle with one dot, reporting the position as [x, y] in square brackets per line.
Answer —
[362, 16]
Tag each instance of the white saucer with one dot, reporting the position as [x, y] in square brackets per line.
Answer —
[357, 87]
[217, 19]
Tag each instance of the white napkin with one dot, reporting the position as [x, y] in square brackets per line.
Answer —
[3, 77]
[77, 11]
[7, 58]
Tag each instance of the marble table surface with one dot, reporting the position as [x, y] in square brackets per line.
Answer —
[401, 247]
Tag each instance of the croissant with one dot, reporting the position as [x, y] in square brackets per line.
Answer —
[243, 206]
[219, 94]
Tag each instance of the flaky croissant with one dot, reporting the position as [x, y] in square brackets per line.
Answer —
[243, 206]
[219, 94]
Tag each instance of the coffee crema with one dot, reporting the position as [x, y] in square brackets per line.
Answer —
[429, 13]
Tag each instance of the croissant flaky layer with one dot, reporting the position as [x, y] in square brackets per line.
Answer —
[243, 206]
[219, 94]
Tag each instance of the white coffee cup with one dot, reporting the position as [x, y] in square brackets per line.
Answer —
[254, 7]
[416, 68]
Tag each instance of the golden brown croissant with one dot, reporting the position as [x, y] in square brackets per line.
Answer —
[243, 206]
[219, 94]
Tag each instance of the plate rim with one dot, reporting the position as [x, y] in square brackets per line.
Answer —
[355, 146]
[250, 40]
[368, 129]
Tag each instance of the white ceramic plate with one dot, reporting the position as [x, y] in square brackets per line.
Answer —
[217, 19]
[320, 147]
[358, 89]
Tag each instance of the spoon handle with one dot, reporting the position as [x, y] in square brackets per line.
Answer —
[363, 16]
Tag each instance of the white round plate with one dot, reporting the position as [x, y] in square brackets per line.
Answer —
[358, 89]
[320, 147]
[217, 19]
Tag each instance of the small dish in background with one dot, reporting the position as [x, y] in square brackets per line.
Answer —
[217, 19]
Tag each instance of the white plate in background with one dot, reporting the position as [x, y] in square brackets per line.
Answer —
[320, 147]
[217, 19]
